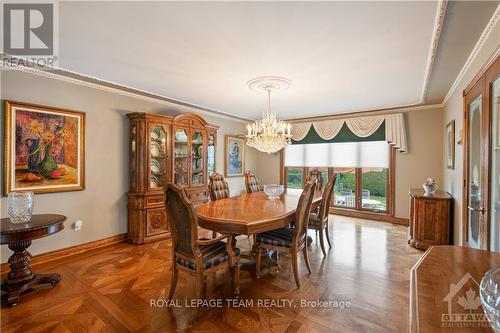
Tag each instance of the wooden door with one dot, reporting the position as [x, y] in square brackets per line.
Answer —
[479, 121]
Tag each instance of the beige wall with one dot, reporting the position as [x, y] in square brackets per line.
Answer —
[425, 132]
[454, 111]
[425, 135]
[102, 206]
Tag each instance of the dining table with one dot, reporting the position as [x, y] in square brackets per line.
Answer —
[252, 213]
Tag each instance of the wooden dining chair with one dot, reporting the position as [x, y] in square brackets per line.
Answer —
[319, 221]
[315, 174]
[294, 239]
[218, 187]
[197, 257]
[251, 182]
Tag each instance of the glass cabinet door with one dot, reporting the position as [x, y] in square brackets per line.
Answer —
[211, 154]
[197, 166]
[158, 157]
[181, 157]
[475, 185]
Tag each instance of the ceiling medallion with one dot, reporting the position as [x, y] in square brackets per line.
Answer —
[270, 134]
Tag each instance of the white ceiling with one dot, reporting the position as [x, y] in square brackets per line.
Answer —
[340, 56]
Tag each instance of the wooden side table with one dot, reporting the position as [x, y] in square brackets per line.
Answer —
[18, 237]
[430, 218]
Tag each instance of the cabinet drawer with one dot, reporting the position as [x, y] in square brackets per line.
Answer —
[156, 222]
[156, 200]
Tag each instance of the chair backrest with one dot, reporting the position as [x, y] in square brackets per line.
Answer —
[326, 199]
[365, 194]
[315, 174]
[303, 211]
[218, 187]
[251, 182]
[183, 221]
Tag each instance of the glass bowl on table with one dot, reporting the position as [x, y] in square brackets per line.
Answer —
[20, 206]
[274, 191]
[489, 291]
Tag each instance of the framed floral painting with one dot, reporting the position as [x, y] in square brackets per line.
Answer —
[44, 149]
[234, 156]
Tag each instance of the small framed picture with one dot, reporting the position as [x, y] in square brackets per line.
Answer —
[44, 149]
[234, 156]
[450, 145]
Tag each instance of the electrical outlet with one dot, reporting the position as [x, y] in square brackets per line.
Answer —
[78, 225]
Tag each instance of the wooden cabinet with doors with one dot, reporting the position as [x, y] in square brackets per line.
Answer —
[150, 140]
[430, 218]
[163, 150]
[481, 191]
[193, 147]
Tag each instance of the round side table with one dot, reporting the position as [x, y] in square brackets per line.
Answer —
[18, 237]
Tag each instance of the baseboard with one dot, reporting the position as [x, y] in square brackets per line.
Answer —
[69, 251]
[370, 216]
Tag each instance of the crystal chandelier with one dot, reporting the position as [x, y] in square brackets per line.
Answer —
[270, 134]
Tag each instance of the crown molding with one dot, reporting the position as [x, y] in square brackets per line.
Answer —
[436, 35]
[109, 86]
[475, 51]
[369, 112]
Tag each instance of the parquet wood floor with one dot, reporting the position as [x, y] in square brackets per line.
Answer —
[110, 289]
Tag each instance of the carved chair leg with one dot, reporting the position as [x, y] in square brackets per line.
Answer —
[258, 256]
[322, 242]
[295, 268]
[173, 282]
[200, 291]
[306, 259]
[236, 272]
[328, 235]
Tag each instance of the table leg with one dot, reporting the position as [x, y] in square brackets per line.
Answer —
[21, 278]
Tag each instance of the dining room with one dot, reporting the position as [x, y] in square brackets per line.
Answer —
[217, 166]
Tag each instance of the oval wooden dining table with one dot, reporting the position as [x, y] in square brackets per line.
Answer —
[251, 213]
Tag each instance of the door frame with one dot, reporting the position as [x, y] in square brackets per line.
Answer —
[480, 85]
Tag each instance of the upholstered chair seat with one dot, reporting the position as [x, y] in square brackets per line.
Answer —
[213, 255]
[280, 237]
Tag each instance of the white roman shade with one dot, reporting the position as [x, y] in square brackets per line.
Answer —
[366, 154]
[363, 127]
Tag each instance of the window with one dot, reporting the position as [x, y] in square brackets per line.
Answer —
[363, 171]
[374, 188]
[344, 192]
[294, 177]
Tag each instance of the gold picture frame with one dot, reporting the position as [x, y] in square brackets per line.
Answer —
[450, 145]
[234, 156]
[44, 149]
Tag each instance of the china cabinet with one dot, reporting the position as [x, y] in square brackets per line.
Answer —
[194, 154]
[163, 150]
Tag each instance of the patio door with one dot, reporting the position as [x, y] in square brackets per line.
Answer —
[481, 161]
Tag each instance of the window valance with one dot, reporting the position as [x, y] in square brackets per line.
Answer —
[363, 127]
